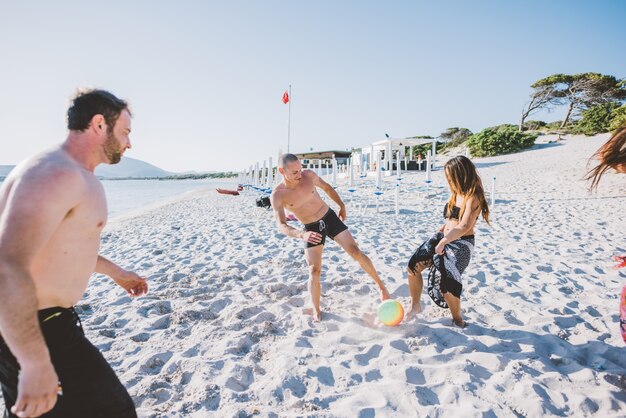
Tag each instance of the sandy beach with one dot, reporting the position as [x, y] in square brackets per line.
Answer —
[225, 329]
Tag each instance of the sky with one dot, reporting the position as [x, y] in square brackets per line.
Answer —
[205, 79]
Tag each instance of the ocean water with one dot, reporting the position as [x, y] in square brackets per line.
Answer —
[124, 196]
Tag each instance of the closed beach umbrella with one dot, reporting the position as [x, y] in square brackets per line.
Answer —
[388, 157]
[428, 167]
[351, 173]
[398, 170]
[397, 198]
[379, 174]
[270, 175]
[364, 165]
[434, 149]
[334, 172]
[263, 176]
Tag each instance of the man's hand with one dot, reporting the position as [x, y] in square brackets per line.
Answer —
[342, 213]
[312, 237]
[132, 283]
[37, 389]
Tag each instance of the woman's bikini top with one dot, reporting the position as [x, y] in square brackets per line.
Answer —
[456, 211]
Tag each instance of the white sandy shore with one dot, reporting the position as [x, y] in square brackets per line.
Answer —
[223, 331]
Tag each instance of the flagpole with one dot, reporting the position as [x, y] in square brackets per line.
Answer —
[289, 121]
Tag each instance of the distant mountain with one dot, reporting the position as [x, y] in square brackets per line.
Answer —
[127, 167]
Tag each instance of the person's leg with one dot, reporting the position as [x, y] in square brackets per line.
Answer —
[346, 241]
[90, 386]
[454, 303]
[313, 257]
[416, 284]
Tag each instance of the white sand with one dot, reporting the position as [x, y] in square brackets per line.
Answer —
[224, 332]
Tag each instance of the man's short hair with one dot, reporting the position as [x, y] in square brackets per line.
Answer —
[286, 159]
[86, 104]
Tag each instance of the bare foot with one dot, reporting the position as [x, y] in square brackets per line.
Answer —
[317, 316]
[459, 323]
[415, 309]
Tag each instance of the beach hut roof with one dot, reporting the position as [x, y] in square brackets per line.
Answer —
[323, 154]
[399, 142]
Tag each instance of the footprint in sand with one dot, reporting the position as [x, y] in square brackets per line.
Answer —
[303, 342]
[400, 345]
[244, 345]
[109, 333]
[415, 376]
[159, 308]
[155, 363]
[372, 353]
[295, 386]
[363, 290]
[426, 397]
[162, 323]
[142, 337]
[373, 375]
[296, 301]
[240, 379]
[324, 376]
[248, 313]
[99, 320]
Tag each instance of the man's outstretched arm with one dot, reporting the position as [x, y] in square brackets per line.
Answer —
[129, 281]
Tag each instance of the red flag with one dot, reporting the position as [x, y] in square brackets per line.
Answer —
[285, 97]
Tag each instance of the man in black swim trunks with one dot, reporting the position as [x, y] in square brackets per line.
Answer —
[52, 210]
[298, 194]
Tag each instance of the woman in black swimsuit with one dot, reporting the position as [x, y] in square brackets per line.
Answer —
[448, 252]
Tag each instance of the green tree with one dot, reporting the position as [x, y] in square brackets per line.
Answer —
[618, 118]
[453, 137]
[596, 119]
[497, 140]
[533, 125]
[578, 92]
[546, 95]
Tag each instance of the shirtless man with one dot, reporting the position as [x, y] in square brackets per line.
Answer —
[298, 194]
[52, 209]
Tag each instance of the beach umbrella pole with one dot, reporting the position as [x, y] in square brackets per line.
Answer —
[397, 198]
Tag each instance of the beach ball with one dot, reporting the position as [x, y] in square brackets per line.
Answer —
[390, 312]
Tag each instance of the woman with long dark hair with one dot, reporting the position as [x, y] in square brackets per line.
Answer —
[449, 251]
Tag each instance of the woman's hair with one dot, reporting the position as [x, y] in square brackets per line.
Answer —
[611, 155]
[465, 181]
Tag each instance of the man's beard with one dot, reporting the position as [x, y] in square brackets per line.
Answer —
[112, 148]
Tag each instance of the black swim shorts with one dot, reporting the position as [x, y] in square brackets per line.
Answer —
[90, 386]
[330, 225]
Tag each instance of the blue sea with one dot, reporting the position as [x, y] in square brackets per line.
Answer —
[124, 196]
